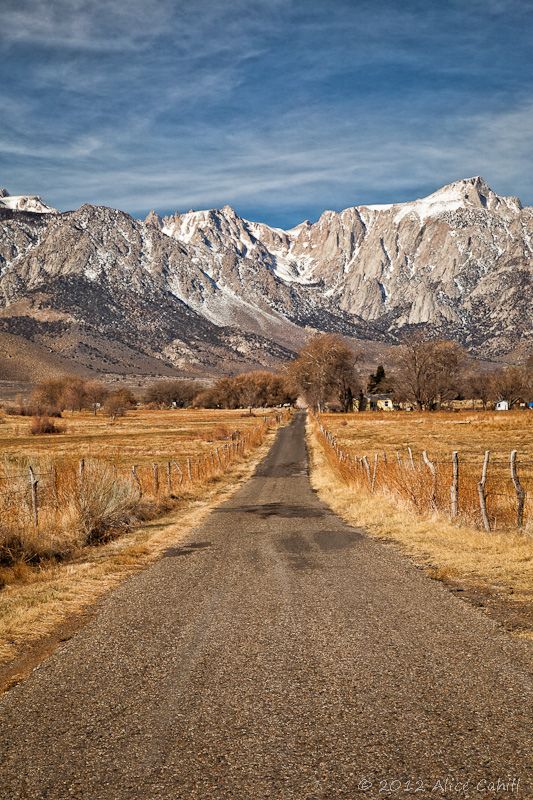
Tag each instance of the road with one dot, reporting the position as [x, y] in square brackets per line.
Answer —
[277, 653]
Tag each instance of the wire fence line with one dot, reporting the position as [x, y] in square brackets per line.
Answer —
[43, 485]
[468, 491]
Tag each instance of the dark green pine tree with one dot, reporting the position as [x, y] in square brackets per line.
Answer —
[376, 381]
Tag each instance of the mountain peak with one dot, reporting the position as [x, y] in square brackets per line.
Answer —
[25, 202]
[153, 219]
[475, 192]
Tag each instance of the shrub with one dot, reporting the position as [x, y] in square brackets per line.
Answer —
[104, 502]
[43, 424]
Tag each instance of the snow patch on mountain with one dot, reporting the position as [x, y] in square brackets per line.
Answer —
[23, 202]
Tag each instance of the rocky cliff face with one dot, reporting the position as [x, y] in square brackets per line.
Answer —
[459, 261]
[208, 290]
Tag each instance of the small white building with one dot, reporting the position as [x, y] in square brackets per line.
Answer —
[502, 405]
[380, 402]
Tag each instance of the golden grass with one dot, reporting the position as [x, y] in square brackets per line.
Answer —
[59, 493]
[389, 435]
[141, 437]
[501, 561]
[44, 599]
[438, 432]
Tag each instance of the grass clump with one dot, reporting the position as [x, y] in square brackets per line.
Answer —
[43, 424]
[104, 503]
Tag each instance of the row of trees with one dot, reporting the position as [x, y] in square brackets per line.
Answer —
[53, 396]
[249, 390]
[327, 370]
[425, 374]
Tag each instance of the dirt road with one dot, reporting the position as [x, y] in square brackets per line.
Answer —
[277, 654]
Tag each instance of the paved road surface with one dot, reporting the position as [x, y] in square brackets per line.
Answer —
[278, 654]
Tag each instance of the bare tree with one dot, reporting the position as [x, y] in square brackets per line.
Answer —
[178, 393]
[248, 390]
[513, 384]
[429, 372]
[325, 369]
[478, 384]
[118, 402]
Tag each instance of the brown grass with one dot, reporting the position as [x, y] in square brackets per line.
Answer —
[36, 601]
[40, 425]
[500, 561]
[388, 436]
[79, 500]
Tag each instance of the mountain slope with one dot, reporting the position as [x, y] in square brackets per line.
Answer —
[210, 292]
[458, 261]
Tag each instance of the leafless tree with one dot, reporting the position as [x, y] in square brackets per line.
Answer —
[325, 369]
[429, 372]
[513, 384]
[254, 389]
[478, 384]
[178, 393]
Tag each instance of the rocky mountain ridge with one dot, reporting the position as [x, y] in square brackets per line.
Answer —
[208, 291]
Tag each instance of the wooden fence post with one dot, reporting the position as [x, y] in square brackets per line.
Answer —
[189, 470]
[431, 466]
[180, 473]
[34, 498]
[155, 468]
[481, 492]
[81, 470]
[454, 488]
[520, 492]
[136, 479]
[169, 478]
[54, 485]
[411, 459]
[374, 473]
[398, 458]
[367, 470]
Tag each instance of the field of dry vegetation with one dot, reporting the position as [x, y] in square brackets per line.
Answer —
[398, 498]
[60, 492]
[92, 511]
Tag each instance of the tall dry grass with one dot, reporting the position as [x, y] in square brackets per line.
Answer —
[500, 562]
[37, 601]
[382, 455]
[53, 505]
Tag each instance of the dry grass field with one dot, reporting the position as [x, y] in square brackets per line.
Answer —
[62, 491]
[469, 432]
[388, 435]
[496, 567]
[50, 573]
[141, 437]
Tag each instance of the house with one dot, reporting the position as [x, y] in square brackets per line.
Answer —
[502, 405]
[379, 402]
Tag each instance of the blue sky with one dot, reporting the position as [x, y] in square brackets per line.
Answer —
[281, 108]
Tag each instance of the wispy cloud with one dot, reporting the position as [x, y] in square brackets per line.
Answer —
[93, 25]
[279, 108]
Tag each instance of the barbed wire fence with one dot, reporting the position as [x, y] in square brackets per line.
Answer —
[487, 492]
[31, 486]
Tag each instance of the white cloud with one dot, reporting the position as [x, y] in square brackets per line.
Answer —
[306, 159]
[161, 103]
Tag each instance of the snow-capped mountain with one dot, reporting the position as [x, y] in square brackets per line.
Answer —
[211, 290]
[24, 202]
